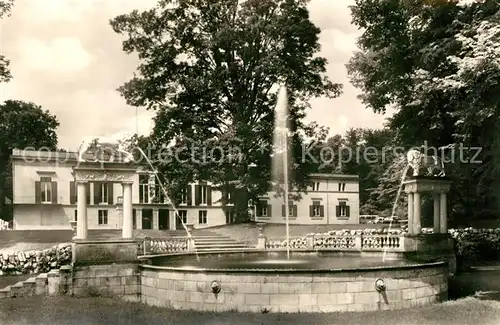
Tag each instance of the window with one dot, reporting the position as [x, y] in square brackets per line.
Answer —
[103, 193]
[316, 209]
[343, 209]
[202, 217]
[315, 186]
[292, 210]
[263, 211]
[203, 190]
[144, 189]
[102, 217]
[76, 215]
[46, 190]
[184, 196]
[341, 187]
[183, 215]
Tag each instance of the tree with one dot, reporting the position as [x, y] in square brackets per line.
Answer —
[5, 7]
[22, 125]
[210, 70]
[437, 62]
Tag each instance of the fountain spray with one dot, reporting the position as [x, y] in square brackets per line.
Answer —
[281, 140]
[405, 171]
[171, 202]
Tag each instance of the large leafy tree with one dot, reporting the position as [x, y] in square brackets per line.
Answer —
[5, 7]
[22, 125]
[437, 62]
[210, 69]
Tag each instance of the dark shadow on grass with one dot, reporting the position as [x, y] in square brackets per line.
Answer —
[472, 282]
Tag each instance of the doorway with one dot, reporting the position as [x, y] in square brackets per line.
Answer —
[163, 219]
[147, 218]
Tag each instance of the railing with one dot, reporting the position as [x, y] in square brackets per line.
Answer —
[295, 243]
[164, 245]
[326, 241]
[377, 242]
[364, 242]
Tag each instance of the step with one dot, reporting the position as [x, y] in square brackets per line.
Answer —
[215, 240]
[225, 249]
[16, 290]
[220, 245]
[41, 287]
[29, 287]
[5, 292]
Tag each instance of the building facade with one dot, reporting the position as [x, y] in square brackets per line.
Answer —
[45, 197]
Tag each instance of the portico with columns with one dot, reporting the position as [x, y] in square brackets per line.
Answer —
[88, 249]
[439, 187]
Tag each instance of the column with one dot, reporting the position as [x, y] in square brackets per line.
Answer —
[436, 227]
[81, 214]
[156, 225]
[444, 215]
[417, 228]
[171, 219]
[127, 230]
[138, 218]
[410, 213]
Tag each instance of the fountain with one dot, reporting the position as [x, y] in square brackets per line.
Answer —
[300, 280]
[281, 145]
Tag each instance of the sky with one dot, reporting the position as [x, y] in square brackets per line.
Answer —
[65, 57]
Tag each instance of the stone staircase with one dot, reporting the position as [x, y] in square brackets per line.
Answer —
[38, 285]
[207, 241]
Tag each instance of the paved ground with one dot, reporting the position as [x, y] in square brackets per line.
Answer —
[100, 311]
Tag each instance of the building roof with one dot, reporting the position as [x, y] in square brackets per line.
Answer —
[52, 156]
[334, 176]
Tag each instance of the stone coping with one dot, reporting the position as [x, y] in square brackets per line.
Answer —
[290, 270]
[348, 251]
[90, 263]
[95, 241]
[428, 178]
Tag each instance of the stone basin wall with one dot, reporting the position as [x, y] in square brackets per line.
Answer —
[298, 291]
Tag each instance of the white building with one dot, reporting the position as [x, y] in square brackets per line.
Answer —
[44, 197]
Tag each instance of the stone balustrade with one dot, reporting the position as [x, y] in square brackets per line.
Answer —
[167, 245]
[355, 242]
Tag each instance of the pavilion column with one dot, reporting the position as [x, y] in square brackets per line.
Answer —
[437, 216]
[81, 214]
[443, 214]
[410, 213]
[417, 228]
[127, 229]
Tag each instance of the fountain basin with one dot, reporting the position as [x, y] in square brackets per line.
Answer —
[310, 282]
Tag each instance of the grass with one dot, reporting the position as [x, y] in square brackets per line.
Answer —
[102, 311]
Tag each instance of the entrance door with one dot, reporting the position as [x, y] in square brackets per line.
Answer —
[163, 219]
[147, 218]
[230, 215]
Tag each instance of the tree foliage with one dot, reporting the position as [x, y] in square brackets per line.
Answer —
[211, 70]
[5, 75]
[22, 125]
[437, 62]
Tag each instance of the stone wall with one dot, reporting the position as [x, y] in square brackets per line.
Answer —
[295, 292]
[111, 280]
[35, 261]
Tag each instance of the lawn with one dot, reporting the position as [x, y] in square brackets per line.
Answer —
[101, 311]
